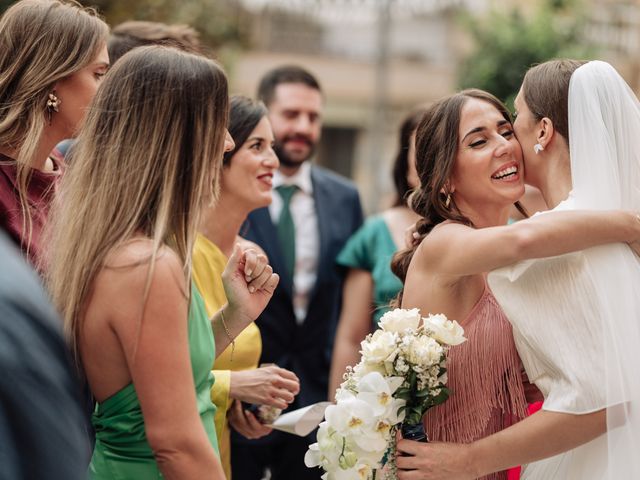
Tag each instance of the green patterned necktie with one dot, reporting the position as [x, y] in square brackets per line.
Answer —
[287, 229]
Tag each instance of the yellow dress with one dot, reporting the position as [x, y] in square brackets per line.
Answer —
[208, 265]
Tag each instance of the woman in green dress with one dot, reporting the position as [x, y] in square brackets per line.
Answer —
[145, 165]
[370, 285]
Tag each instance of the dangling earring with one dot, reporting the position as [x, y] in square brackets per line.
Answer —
[53, 103]
[538, 148]
[447, 202]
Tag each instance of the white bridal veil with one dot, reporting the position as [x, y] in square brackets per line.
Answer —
[604, 133]
[576, 317]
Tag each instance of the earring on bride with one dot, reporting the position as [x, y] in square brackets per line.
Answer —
[538, 148]
[447, 202]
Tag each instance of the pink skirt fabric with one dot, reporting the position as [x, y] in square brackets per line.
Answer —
[484, 379]
[514, 473]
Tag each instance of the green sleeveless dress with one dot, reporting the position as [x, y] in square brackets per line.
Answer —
[121, 451]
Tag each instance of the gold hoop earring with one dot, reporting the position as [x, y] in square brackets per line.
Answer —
[53, 103]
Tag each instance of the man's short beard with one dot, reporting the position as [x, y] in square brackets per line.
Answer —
[287, 161]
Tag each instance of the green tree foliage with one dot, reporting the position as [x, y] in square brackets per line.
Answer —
[224, 25]
[4, 4]
[508, 43]
[219, 22]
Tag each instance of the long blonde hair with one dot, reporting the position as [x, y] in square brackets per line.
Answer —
[147, 157]
[41, 42]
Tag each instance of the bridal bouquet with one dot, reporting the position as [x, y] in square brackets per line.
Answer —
[401, 374]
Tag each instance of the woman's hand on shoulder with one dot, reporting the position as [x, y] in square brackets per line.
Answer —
[411, 236]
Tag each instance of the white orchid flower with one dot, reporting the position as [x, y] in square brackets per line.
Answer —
[357, 472]
[378, 391]
[313, 457]
[350, 416]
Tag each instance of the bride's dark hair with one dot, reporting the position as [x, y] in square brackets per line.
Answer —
[437, 139]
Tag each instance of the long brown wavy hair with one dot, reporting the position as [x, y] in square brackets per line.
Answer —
[437, 140]
[147, 157]
[41, 42]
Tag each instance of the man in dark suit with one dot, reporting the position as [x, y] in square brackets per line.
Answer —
[313, 213]
[43, 433]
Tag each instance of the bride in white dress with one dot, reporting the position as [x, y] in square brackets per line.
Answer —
[576, 317]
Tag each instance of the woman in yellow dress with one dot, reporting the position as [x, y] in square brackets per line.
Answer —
[245, 185]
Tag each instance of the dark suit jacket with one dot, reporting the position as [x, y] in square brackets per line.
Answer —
[306, 349]
[42, 426]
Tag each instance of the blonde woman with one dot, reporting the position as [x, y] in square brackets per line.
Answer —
[53, 55]
[145, 165]
[245, 185]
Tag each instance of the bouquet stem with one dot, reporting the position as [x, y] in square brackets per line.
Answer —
[414, 432]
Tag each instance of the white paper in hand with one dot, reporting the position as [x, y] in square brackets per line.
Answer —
[301, 422]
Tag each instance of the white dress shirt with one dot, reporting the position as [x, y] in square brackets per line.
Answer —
[307, 236]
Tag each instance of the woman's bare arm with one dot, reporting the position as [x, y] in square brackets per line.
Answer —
[542, 435]
[458, 250]
[353, 326]
[160, 365]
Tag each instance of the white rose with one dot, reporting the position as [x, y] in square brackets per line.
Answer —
[424, 350]
[398, 320]
[445, 331]
[379, 347]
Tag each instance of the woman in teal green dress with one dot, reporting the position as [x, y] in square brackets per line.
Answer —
[370, 285]
[145, 164]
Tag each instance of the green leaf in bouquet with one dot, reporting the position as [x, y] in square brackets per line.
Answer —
[441, 397]
[413, 418]
[424, 393]
[403, 393]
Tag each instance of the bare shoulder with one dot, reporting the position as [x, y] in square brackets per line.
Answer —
[439, 240]
[130, 272]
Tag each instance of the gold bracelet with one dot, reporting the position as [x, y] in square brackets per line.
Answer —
[231, 339]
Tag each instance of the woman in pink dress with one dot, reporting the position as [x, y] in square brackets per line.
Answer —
[471, 172]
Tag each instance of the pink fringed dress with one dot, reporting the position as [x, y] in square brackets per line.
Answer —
[484, 379]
